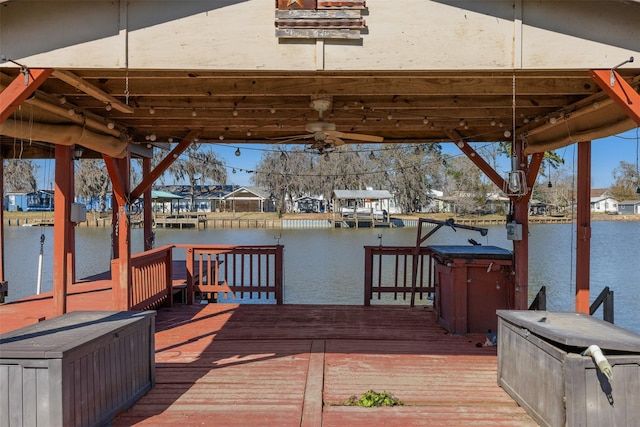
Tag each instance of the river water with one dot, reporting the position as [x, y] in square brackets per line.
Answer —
[326, 266]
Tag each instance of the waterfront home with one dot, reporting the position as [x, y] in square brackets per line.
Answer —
[629, 207]
[35, 201]
[310, 204]
[604, 204]
[248, 199]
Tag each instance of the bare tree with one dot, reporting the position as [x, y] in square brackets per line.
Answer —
[464, 185]
[626, 181]
[92, 180]
[19, 175]
[410, 172]
[284, 175]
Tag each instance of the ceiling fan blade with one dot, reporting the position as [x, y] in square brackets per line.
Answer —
[303, 136]
[354, 136]
[286, 139]
[335, 141]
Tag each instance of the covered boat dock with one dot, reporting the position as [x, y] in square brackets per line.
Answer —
[124, 78]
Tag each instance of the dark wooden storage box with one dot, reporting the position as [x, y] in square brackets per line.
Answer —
[79, 369]
[472, 282]
[541, 367]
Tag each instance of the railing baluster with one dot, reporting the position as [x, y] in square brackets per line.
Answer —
[400, 279]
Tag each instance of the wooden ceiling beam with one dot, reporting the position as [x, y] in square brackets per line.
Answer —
[353, 87]
[78, 83]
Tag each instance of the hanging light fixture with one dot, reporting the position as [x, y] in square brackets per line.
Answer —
[78, 150]
[237, 152]
[549, 184]
[516, 181]
[372, 156]
[283, 156]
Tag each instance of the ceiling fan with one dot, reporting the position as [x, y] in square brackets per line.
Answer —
[324, 134]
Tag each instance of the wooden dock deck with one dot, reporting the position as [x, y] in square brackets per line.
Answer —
[296, 365]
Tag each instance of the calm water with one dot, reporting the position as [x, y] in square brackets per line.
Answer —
[326, 265]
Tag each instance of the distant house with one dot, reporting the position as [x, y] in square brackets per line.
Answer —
[629, 207]
[604, 204]
[206, 198]
[36, 201]
[248, 199]
[497, 203]
[308, 204]
[95, 204]
[436, 202]
[370, 201]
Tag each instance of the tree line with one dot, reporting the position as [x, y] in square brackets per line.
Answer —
[408, 171]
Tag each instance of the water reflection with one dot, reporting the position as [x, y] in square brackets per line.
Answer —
[325, 266]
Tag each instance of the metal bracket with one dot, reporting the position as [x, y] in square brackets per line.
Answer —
[612, 76]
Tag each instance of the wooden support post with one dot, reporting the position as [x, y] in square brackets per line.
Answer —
[147, 213]
[521, 247]
[119, 170]
[71, 232]
[62, 228]
[583, 227]
[1, 220]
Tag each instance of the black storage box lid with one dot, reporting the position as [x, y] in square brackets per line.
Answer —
[54, 337]
[471, 252]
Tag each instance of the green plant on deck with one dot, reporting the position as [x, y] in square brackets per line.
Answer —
[372, 398]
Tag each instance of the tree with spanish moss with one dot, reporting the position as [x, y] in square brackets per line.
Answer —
[92, 180]
[20, 176]
[198, 166]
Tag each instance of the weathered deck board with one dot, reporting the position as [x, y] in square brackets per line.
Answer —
[267, 365]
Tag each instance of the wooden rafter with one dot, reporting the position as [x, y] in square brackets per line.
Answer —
[116, 179]
[89, 89]
[477, 160]
[164, 164]
[620, 91]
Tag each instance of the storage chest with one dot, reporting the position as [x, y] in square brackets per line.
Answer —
[540, 365]
[78, 369]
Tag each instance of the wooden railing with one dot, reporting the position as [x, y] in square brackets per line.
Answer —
[389, 270]
[252, 272]
[151, 278]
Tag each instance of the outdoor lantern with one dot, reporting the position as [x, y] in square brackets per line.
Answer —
[515, 184]
[77, 152]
